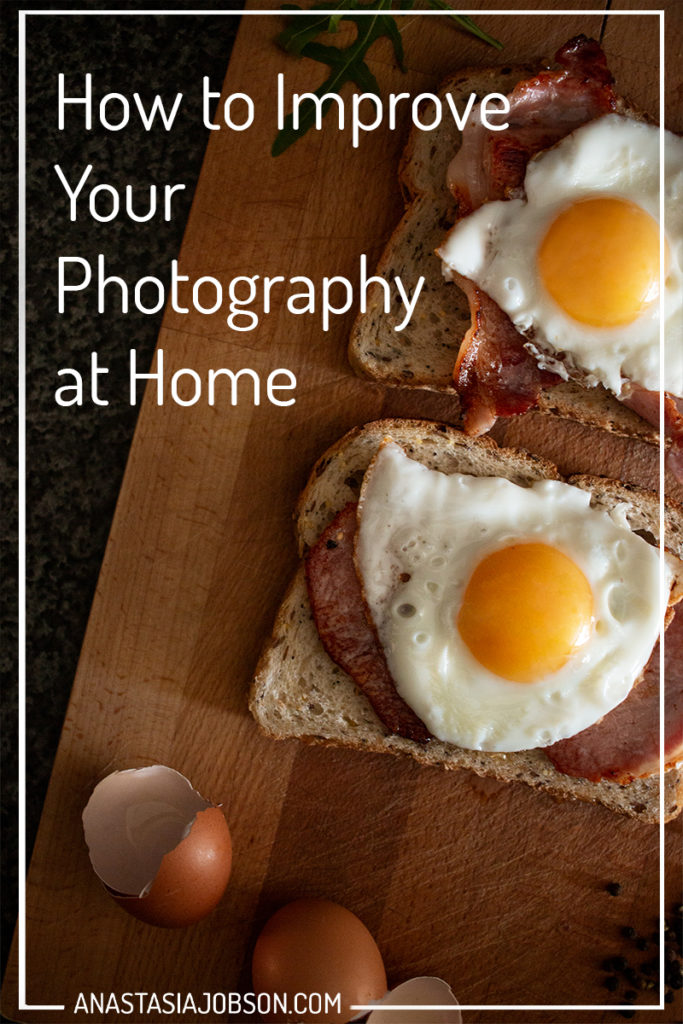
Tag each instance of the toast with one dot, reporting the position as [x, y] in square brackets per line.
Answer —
[423, 354]
[299, 692]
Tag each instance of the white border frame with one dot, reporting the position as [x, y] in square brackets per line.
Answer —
[21, 403]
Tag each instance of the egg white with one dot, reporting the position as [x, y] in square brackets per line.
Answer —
[422, 533]
[497, 245]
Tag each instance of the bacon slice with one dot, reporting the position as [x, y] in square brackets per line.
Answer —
[339, 612]
[624, 745]
[494, 374]
[646, 404]
[543, 109]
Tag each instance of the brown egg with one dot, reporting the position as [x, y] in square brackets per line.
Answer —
[162, 851]
[317, 947]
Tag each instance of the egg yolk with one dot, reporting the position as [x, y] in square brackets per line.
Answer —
[600, 261]
[525, 610]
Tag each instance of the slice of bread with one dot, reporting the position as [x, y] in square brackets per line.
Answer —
[299, 692]
[423, 354]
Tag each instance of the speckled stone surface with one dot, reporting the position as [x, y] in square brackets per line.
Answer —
[76, 456]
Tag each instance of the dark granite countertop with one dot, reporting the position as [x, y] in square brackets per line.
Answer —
[76, 456]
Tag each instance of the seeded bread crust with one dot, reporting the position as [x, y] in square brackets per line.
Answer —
[299, 692]
[423, 354]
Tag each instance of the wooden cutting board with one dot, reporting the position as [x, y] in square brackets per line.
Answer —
[494, 888]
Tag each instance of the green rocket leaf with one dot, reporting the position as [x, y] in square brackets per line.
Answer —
[304, 29]
[347, 63]
[465, 22]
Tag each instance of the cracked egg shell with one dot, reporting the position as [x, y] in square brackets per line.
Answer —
[431, 1001]
[317, 946]
[161, 850]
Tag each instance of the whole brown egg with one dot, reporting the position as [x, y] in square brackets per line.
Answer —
[318, 958]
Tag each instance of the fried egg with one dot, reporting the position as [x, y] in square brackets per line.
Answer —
[576, 263]
[510, 616]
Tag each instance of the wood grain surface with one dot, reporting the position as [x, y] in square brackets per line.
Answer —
[498, 890]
